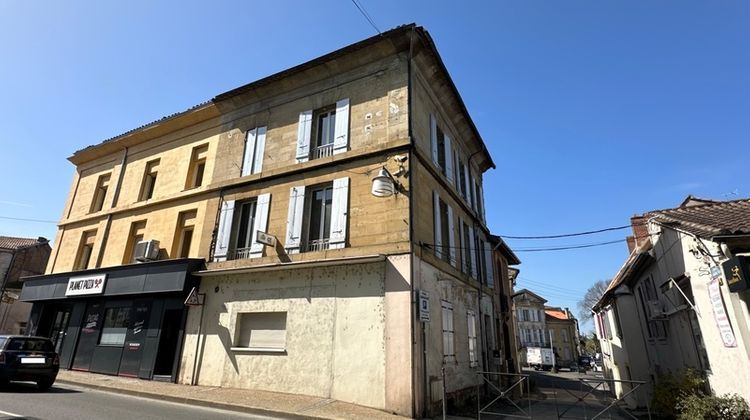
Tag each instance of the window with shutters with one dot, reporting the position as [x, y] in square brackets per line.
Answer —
[197, 168]
[449, 352]
[85, 249]
[564, 335]
[471, 320]
[260, 331]
[183, 237]
[245, 224]
[239, 224]
[100, 193]
[466, 247]
[318, 212]
[255, 146]
[323, 132]
[443, 224]
[149, 180]
[317, 218]
[461, 177]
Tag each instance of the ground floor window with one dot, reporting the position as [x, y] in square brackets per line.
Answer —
[262, 331]
[115, 327]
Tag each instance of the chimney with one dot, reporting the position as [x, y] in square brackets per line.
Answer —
[640, 232]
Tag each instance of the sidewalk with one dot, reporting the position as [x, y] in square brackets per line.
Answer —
[275, 404]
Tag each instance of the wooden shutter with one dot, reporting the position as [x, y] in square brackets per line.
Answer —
[472, 253]
[225, 231]
[433, 139]
[247, 159]
[461, 243]
[341, 133]
[449, 160]
[294, 219]
[473, 194]
[339, 212]
[438, 236]
[481, 209]
[304, 129]
[488, 263]
[260, 149]
[451, 239]
[260, 223]
[466, 182]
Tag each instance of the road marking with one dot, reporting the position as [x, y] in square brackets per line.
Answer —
[5, 413]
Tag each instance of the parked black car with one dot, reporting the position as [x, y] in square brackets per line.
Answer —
[28, 359]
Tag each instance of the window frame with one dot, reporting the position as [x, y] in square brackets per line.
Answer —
[100, 193]
[126, 319]
[237, 339]
[471, 324]
[449, 331]
[197, 167]
[148, 184]
[322, 243]
[316, 144]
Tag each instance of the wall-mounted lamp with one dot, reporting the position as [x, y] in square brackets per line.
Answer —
[383, 185]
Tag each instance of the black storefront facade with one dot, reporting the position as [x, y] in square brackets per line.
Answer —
[127, 320]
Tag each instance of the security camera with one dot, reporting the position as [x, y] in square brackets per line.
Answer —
[401, 158]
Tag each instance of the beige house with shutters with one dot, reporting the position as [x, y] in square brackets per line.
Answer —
[339, 208]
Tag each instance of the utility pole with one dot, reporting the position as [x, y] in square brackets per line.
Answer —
[552, 349]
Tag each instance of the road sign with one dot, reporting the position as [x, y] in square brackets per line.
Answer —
[194, 298]
[266, 239]
[424, 306]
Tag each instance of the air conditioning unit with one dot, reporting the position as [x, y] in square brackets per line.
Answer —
[147, 250]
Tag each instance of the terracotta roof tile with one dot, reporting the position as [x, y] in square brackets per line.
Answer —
[709, 220]
[9, 242]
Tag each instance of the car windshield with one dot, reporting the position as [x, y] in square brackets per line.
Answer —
[2, 342]
[30, 344]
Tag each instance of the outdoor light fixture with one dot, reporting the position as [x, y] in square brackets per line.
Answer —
[383, 184]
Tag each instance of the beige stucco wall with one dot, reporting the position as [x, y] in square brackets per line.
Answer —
[339, 325]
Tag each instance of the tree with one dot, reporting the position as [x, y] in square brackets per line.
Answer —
[591, 343]
[595, 292]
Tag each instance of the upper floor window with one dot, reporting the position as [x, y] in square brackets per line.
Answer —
[137, 232]
[149, 180]
[197, 168]
[183, 237]
[471, 321]
[442, 150]
[323, 132]
[467, 245]
[255, 146]
[445, 248]
[317, 217]
[238, 231]
[100, 193]
[85, 249]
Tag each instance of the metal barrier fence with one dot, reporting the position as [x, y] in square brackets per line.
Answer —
[588, 397]
[502, 388]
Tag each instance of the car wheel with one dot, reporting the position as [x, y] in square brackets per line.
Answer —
[44, 384]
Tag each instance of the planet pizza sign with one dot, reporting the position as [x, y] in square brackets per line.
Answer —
[86, 285]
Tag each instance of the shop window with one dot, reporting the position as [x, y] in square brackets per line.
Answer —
[100, 193]
[116, 321]
[197, 168]
[260, 331]
[137, 231]
[183, 237]
[149, 180]
[85, 249]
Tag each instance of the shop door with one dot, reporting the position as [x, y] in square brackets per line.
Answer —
[132, 353]
[168, 343]
[59, 328]
[92, 325]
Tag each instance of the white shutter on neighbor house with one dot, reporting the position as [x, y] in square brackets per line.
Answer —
[438, 236]
[339, 212]
[255, 145]
[451, 238]
[466, 182]
[433, 139]
[341, 131]
[449, 160]
[481, 195]
[461, 243]
[472, 253]
[473, 194]
[294, 219]
[260, 223]
[488, 263]
[304, 129]
[225, 231]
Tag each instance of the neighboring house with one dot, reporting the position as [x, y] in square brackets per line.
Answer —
[19, 257]
[562, 328]
[312, 210]
[681, 298]
[506, 360]
[531, 324]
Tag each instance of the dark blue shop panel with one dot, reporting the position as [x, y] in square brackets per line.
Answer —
[164, 279]
[125, 281]
[106, 359]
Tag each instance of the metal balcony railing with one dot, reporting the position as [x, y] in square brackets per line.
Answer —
[239, 254]
[322, 151]
[317, 245]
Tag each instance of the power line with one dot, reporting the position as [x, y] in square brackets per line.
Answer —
[563, 248]
[28, 220]
[366, 15]
[568, 235]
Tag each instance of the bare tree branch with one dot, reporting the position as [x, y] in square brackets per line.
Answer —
[593, 294]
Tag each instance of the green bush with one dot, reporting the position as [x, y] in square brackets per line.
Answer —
[670, 386]
[699, 406]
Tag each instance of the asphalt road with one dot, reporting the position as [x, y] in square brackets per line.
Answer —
[21, 400]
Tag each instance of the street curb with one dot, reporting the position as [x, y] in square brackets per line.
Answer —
[192, 401]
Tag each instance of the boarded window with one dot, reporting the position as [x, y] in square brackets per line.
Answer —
[263, 331]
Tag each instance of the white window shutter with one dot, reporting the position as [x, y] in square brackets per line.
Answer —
[247, 159]
[341, 133]
[449, 160]
[488, 263]
[438, 236]
[466, 182]
[304, 129]
[294, 219]
[451, 238]
[472, 253]
[461, 244]
[473, 194]
[481, 193]
[225, 231]
[260, 223]
[339, 212]
[433, 139]
[260, 149]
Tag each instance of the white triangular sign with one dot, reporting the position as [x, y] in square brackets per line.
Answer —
[192, 299]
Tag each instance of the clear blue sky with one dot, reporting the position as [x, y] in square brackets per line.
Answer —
[593, 110]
